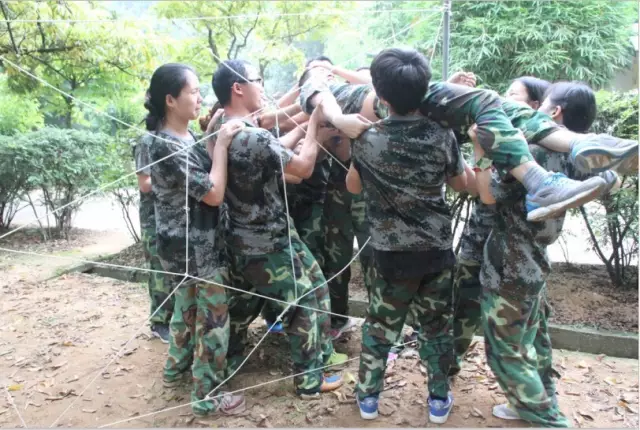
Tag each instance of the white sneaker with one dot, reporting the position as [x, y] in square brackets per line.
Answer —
[505, 412]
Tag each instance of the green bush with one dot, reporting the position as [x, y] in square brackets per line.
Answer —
[65, 164]
[125, 192]
[15, 157]
[614, 221]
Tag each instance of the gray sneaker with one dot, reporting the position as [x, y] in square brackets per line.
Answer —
[161, 331]
[558, 193]
[596, 153]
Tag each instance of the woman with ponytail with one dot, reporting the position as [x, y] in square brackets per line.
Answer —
[182, 169]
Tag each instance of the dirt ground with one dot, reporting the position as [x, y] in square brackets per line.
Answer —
[57, 335]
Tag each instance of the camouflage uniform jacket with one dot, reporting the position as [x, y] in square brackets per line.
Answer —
[404, 163]
[168, 180]
[142, 160]
[515, 256]
[257, 211]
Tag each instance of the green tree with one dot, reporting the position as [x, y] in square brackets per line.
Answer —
[259, 35]
[90, 61]
[586, 40]
[18, 113]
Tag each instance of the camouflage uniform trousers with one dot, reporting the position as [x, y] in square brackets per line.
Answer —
[361, 232]
[319, 284]
[158, 283]
[338, 244]
[308, 221]
[432, 297]
[272, 275]
[200, 335]
[519, 352]
[467, 315]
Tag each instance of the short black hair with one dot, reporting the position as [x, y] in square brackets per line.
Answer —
[578, 103]
[536, 87]
[401, 77]
[319, 58]
[227, 75]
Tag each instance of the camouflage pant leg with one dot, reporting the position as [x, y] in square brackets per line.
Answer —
[319, 284]
[544, 349]
[310, 227]
[243, 310]
[511, 325]
[388, 308]
[456, 106]
[361, 232]
[272, 275]
[534, 124]
[338, 248]
[182, 332]
[467, 315]
[211, 342]
[158, 286]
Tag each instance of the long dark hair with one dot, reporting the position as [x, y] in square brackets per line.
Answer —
[536, 87]
[578, 103]
[167, 79]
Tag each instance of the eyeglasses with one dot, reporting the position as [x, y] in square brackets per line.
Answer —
[253, 81]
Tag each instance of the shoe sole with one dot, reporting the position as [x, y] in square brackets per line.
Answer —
[348, 326]
[157, 336]
[443, 419]
[598, 160]
[235, 411]
[368, 415]
[557, 209]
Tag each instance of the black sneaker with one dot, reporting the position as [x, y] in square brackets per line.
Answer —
[161, 331]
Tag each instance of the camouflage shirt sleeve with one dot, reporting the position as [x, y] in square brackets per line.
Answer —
[350, 97]
[141, 154]
[273, 150]
[454, 159]
[310, 89]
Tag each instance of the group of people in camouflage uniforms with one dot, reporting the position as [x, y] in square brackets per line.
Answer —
[268, 203]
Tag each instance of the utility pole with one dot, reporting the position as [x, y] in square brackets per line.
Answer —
[446, 25]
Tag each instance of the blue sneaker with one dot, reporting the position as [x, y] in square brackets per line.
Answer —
[596, 153]
[368, 407]
[439, 410]
[275, 328]
[558, 193]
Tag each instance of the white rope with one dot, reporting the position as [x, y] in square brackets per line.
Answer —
[186, 214]
[241, 390]
[15, 407]
[118, 266]
[223, 17]
[117, 354]
[360, 248]
[286, 206]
